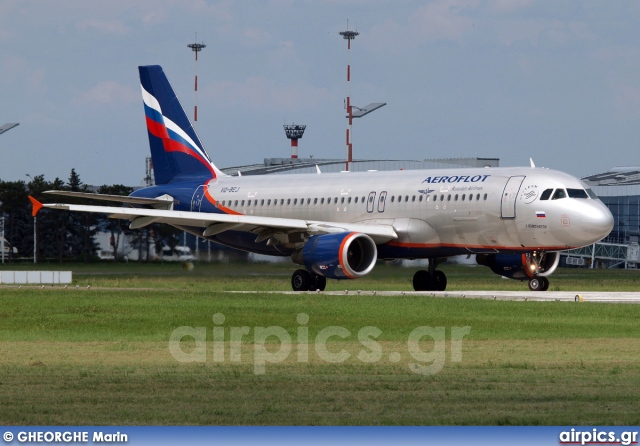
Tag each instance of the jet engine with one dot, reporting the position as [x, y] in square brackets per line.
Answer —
[521, 266]
[346, 255]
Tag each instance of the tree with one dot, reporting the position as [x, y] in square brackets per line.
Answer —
[116, 227]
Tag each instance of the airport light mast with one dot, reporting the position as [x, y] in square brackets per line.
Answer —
[196, 48]
[349, 36]
[294, 132]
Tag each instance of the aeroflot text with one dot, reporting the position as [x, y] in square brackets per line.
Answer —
[457, 179]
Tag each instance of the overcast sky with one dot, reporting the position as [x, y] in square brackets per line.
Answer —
[558, 81]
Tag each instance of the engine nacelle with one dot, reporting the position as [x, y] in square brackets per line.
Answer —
[521, 266]
[347, 255]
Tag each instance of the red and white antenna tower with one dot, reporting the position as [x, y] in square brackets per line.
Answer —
[196, 48]
[349, 36]
[294, 132]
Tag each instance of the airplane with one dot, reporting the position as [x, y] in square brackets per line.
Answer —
[515, 220]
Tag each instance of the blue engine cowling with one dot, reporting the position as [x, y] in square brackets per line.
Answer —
[347, 255]
[521, 266]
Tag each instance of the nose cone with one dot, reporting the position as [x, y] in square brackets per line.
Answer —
[597, 223]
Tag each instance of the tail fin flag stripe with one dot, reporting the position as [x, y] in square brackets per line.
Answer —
[174, 139]
[176, 150]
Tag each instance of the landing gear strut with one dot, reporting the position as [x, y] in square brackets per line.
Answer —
[303, 280]
[539, 283]
[431, 280]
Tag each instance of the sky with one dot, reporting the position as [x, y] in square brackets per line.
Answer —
[553, 80]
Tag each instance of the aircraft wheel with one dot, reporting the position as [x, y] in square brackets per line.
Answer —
[545, 283]
[440, 280]
[319, 283]
[422, 281]
[536, 284]
[301, 280]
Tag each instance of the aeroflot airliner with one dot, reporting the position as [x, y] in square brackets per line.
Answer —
[515, 220]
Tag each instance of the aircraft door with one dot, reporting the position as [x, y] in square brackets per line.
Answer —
[509, 195]
[371, 202]
[382, 200]
[196, 200]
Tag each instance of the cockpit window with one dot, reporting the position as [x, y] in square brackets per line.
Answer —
[577, 193]
[558, 194]
[592, 194]
[546, 194]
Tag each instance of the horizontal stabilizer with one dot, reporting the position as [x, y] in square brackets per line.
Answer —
[164, 202]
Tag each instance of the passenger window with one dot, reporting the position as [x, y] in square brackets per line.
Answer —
[435, 198]
[558, 194]
[413, 198]
[393, 198]
[546, 194]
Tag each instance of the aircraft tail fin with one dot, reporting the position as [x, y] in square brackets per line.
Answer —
[176, 150]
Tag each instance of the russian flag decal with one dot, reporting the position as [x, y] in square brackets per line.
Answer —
[541, 214]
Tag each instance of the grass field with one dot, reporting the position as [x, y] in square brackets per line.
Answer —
[100, 353]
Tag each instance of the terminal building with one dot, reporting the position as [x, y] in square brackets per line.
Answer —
[311, 165]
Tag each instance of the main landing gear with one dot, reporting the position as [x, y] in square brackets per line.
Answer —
[431, 280]
[539, 283]
[303, 280]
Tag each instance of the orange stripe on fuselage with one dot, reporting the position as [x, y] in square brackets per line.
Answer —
[215, 202]
[456, 245]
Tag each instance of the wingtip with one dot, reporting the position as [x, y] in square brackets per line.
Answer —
[36, 206]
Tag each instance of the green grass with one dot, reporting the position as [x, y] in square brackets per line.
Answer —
[100, 355]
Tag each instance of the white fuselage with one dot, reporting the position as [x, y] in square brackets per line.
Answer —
[466, 210]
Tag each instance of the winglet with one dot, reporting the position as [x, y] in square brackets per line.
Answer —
[533, 165]
[36, 206]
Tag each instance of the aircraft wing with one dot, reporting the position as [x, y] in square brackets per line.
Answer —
[213, 224]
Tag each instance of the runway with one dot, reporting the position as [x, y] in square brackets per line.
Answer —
[524, 296]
